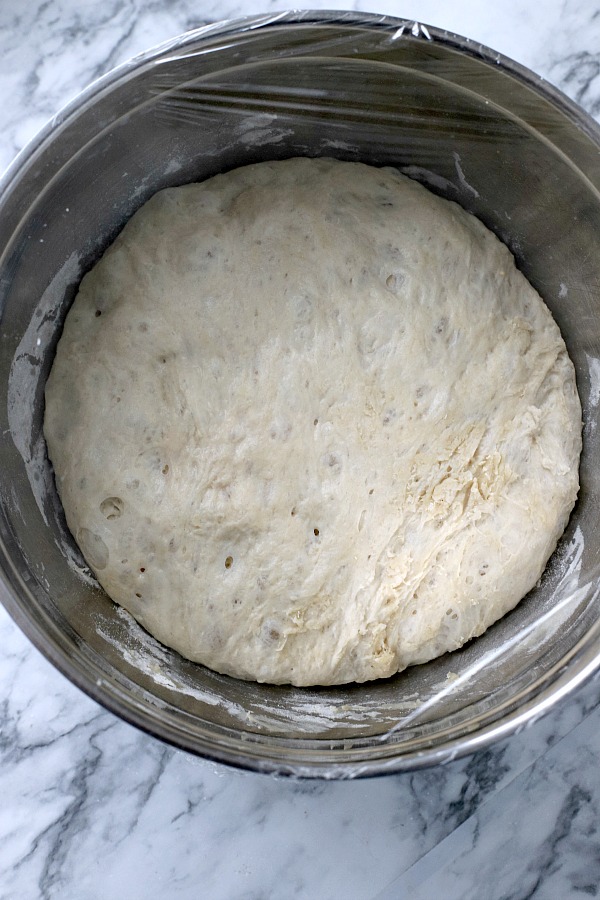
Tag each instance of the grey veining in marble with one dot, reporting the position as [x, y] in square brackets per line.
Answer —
[92, 809]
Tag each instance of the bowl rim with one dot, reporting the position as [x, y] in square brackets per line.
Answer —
[572, 670]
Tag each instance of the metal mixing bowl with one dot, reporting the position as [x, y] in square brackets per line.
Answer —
[474, 127]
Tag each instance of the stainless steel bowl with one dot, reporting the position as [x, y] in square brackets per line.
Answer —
[474, 127]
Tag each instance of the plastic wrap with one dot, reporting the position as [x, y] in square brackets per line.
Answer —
[473, 127]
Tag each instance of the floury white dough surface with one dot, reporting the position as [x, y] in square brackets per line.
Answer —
[309, 423]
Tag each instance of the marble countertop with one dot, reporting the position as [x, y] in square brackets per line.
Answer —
[91, 808]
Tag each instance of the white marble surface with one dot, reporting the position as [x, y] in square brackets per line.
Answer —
[90, 808]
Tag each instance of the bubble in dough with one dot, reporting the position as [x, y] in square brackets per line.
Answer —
[310, 425]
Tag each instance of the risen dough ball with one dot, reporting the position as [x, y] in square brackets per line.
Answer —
[310, 424]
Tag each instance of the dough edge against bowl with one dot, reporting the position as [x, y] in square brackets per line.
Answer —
[292, 488]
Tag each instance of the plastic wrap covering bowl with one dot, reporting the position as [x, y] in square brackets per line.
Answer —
[472, 126]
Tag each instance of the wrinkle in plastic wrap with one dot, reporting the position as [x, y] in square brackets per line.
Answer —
[471, 126]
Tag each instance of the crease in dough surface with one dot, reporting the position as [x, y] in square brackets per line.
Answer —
[310, 424]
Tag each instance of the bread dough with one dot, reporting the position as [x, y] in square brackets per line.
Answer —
[310, 424]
